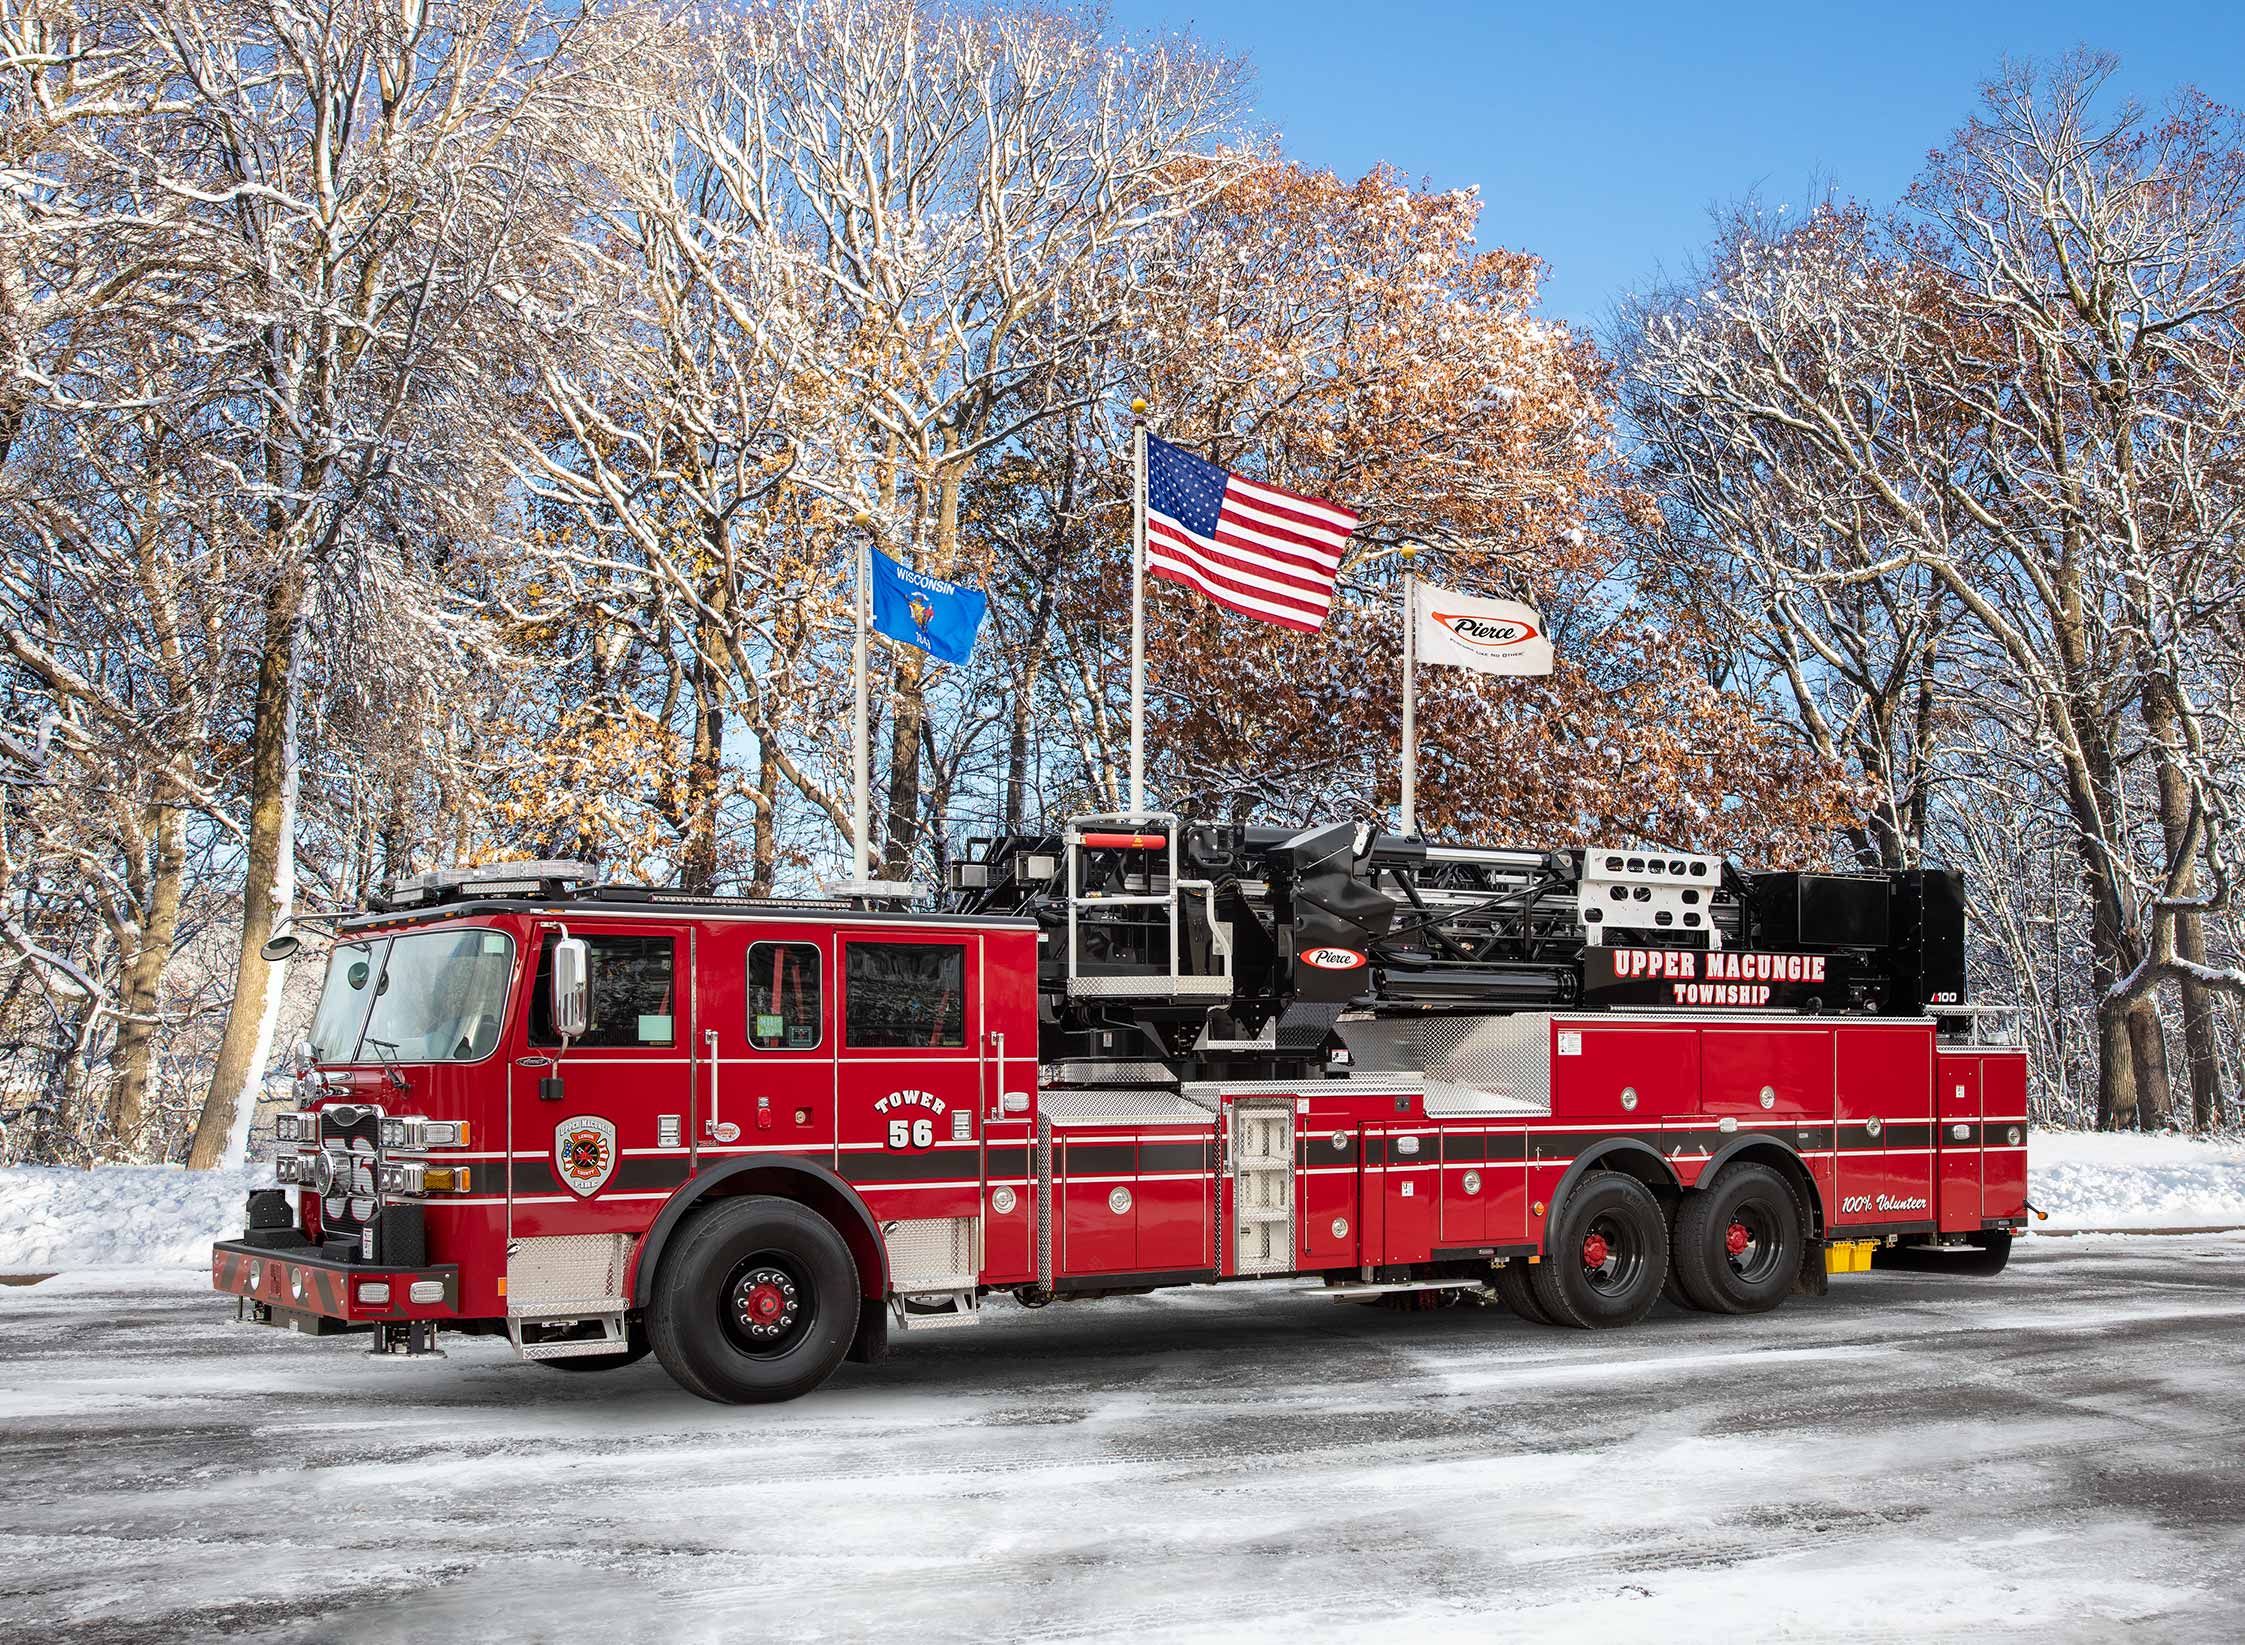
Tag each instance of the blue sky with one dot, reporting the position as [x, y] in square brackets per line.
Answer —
[1599, 136]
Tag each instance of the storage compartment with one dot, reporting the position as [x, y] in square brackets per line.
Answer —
[1957, 1126]
[1789, 1066]
[1405, 1170]
[1885, 1125]
[1098, 1206]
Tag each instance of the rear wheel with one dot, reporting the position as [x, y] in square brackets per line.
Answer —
[1513, 1290]
[1607, 1255]
[755, 1302]
[1738, 1243]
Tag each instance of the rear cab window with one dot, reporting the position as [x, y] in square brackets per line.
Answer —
[784, 996]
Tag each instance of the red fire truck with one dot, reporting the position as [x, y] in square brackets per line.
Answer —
[757, 1136]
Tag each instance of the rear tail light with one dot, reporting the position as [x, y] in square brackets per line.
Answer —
[426, 1290]
[374, 1290]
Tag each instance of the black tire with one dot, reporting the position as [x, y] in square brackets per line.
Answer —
[1672, 1288]
[1513, 1290]
[1739, 1242]
[1985, 1257]
[1615, 1220]
[756, 1301]
[632, 1355]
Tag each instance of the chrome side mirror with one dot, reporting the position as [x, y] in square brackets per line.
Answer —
[572, 987]
[301, 1057]
[275, 949]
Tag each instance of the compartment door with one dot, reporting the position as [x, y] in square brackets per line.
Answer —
[1098, 1209]
[1885, 1131]
[1413, 1195]
[1327, 1152]
[1957, 1147]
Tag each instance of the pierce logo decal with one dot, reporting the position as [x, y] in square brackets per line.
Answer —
[1332, 959]
[584, 1154]
[1484, 634]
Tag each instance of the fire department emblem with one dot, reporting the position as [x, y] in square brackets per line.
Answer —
[584, 1153]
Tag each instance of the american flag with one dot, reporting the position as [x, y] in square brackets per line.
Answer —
[1251, 548]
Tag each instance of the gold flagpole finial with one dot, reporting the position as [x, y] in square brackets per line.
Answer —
[1138, 408]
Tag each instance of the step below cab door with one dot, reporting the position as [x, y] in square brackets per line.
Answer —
[1957, 1142]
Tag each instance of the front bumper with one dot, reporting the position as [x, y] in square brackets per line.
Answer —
[307, 1289]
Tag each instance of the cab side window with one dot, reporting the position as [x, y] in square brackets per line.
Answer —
[783, 996]
[907, 994]
[634, 993]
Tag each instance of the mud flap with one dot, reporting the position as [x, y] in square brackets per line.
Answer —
[869, 1345]
[1814, 1280]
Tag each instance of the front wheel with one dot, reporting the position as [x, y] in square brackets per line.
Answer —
[1738, 1243]
[1607, 1255]
[755, 1302]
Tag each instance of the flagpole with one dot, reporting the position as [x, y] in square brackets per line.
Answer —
[1138, 608]
[1410, 553]
[861, 802]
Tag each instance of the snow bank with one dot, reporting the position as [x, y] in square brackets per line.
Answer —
[140, 1215]
[117, 1216]
[2089, 1179]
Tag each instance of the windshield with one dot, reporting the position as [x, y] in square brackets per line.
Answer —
[437, 996]
[344, 997]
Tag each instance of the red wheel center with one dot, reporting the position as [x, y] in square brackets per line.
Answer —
[1595, 1251]
[1736, 1239]
[764, 1303]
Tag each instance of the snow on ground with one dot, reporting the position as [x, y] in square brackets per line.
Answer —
[2089, 1179]
[2046, 1457]
[131, 1215]
[118, 1216]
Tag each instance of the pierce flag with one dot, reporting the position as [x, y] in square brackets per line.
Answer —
[1493, 636]
[939, 617]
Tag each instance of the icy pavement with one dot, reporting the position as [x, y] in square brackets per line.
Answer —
[2052, 1455]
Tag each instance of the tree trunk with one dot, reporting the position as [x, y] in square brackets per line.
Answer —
[2201, 1050]
[135, 1053]
[908, 708]
[697, 861]
[1024, 704]
[2116, 1079]
[764, 845]
[269, 885]
[2147, 1046]
[910, 687]
[2201, 1032]
[705, 767]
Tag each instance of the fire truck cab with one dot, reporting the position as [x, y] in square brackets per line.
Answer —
[756, 1135]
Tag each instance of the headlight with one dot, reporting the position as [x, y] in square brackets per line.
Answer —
[303, 1127]
[401, 1131]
